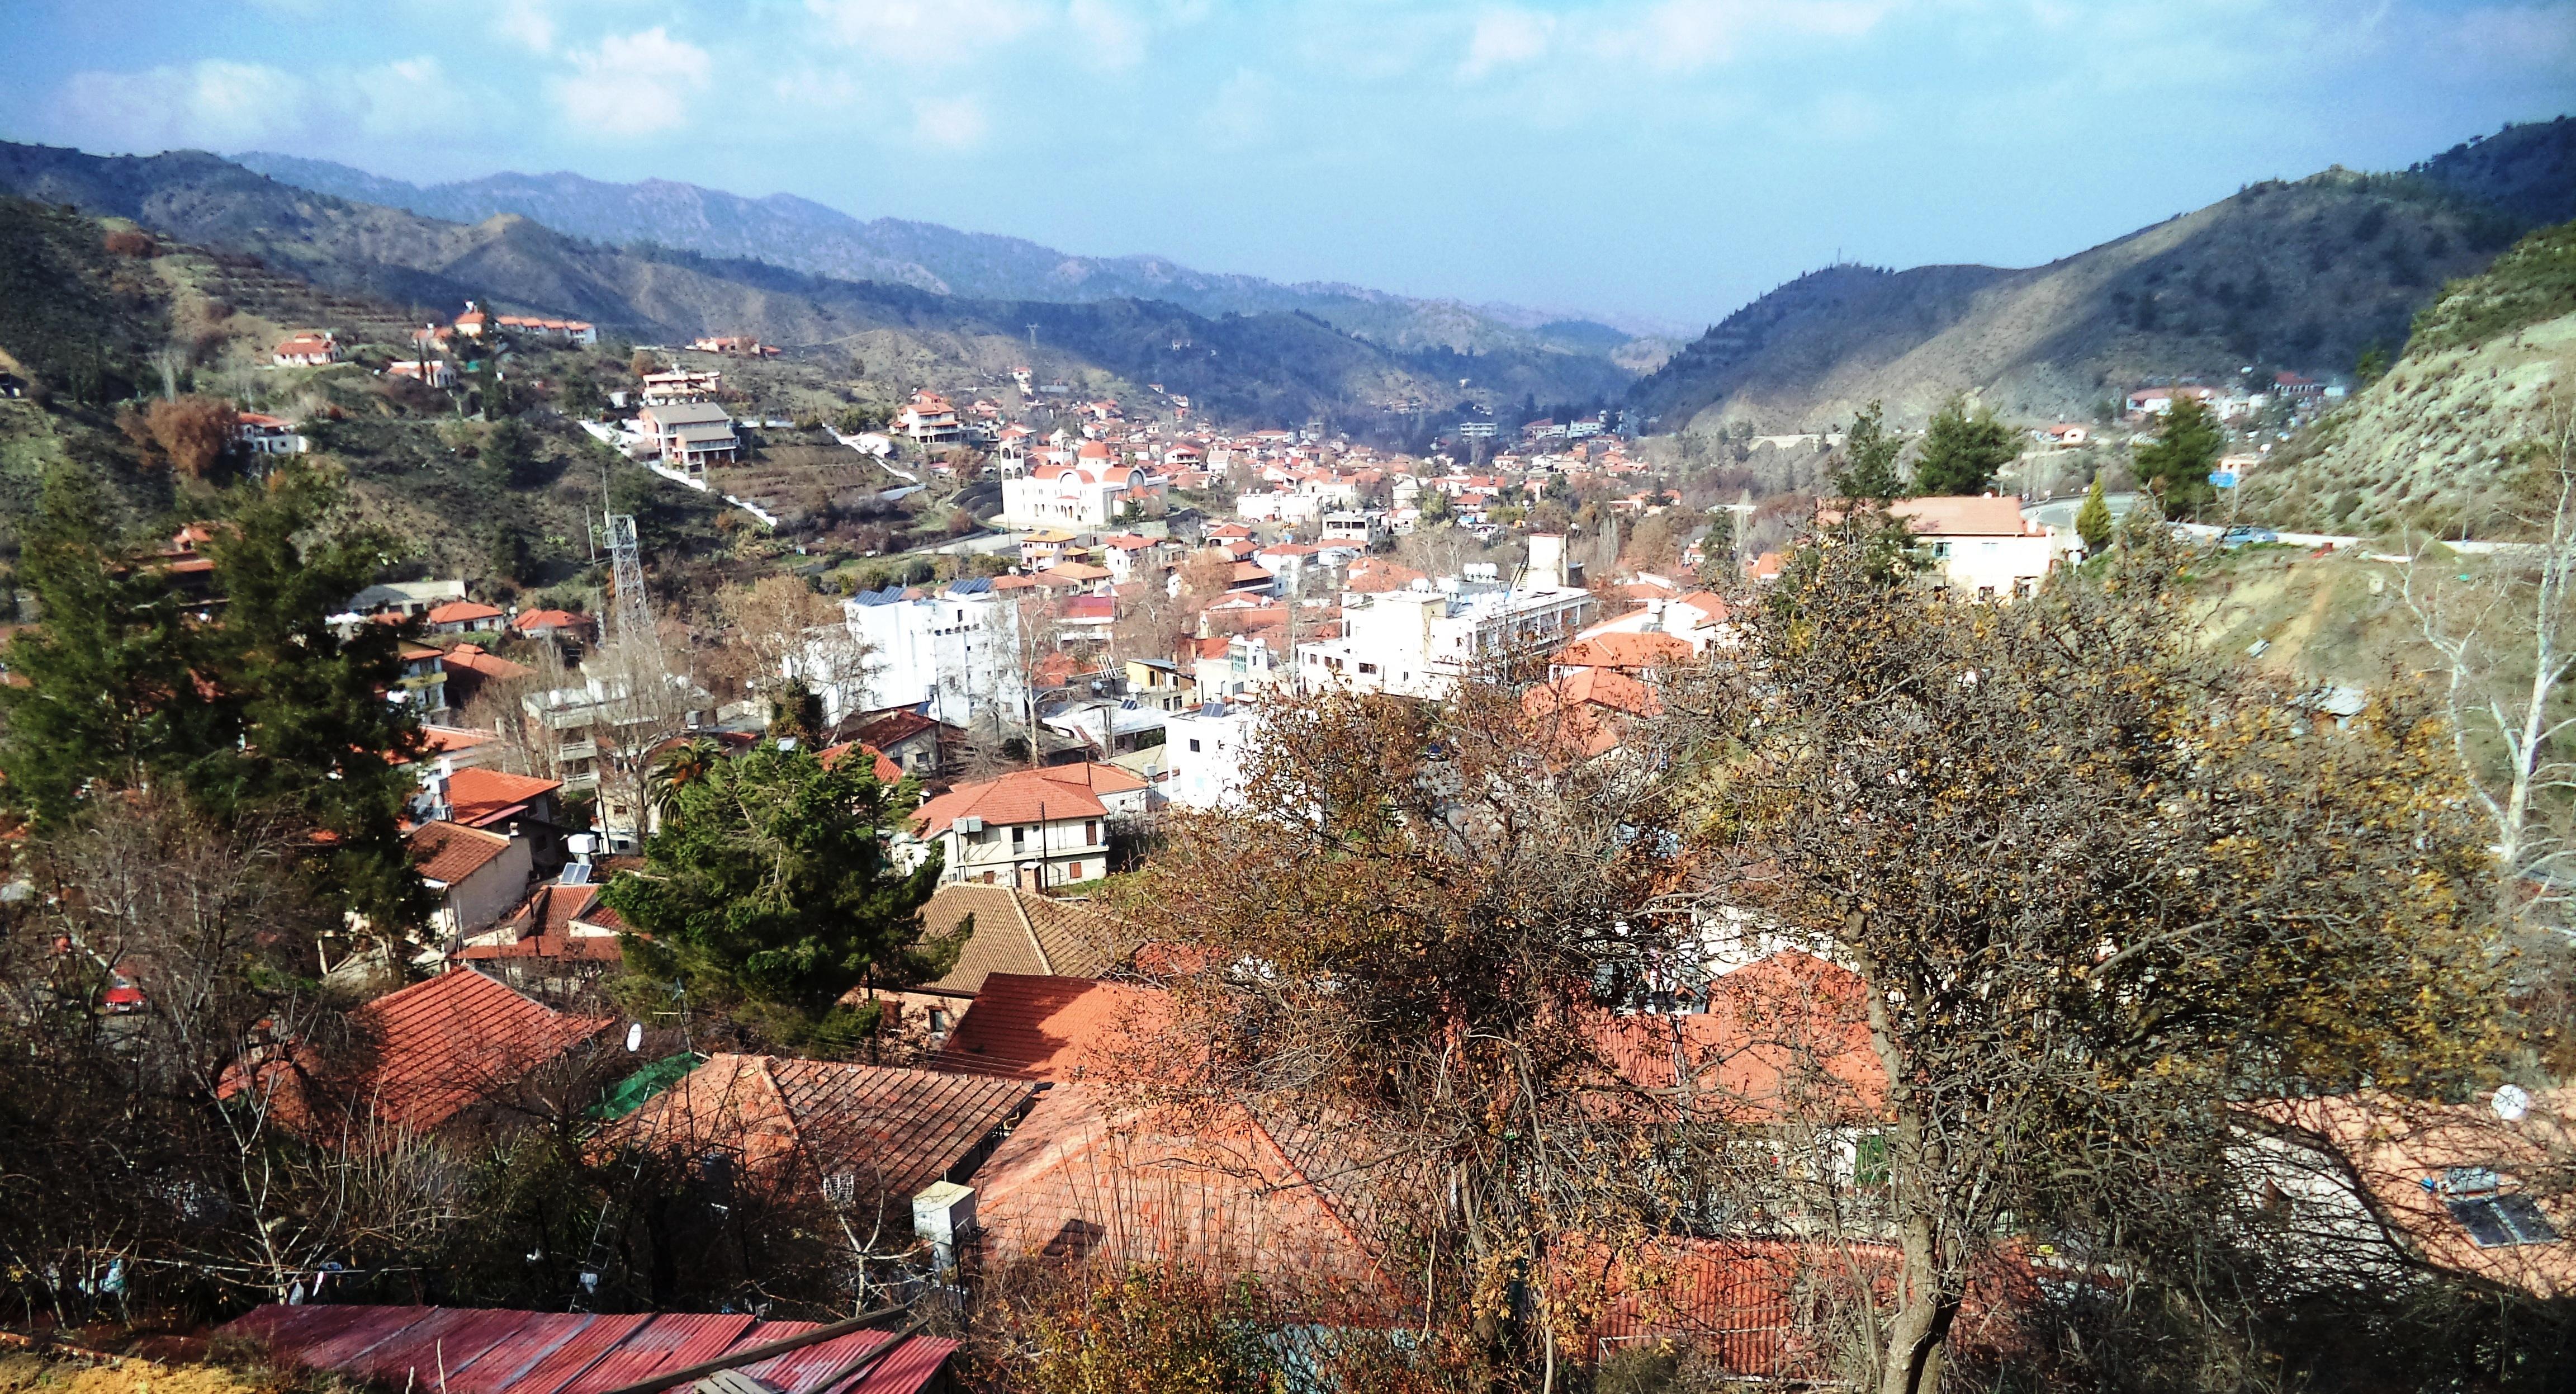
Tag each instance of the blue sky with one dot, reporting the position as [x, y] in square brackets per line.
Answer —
[1657, 158]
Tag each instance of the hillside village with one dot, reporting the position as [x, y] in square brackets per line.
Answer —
[553, 862]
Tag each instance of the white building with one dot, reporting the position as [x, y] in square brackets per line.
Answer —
[1207, 751]
[1033, 828]
[952, 654]
[1092, 492]
[689, 435]
[1982, 545]
[1421, 643]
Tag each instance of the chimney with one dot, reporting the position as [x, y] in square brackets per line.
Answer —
[1546, 569]
[944, 1213]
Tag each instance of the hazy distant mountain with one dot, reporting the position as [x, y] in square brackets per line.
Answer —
[803, 235]
[1270, 367]
[2302, 276]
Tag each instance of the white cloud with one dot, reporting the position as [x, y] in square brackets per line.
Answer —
[220, 104]
[1244, 113]
[926, 31]
[1108, 37]
[632, 84]
[527, 23]
[951, 123]
[1506, 38]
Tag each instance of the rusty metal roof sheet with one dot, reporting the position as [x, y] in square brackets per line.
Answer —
[494, 1351]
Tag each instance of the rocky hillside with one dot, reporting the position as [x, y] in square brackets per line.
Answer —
[2304, 276]
[802, 235]
[1256, 368]
[2447, 440]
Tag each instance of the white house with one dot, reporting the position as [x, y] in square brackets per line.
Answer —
[1206, 751]
[929, 419]
[1982, 545]
[1032, 828]
[478, 876]
[951, 654]
[1421, 643]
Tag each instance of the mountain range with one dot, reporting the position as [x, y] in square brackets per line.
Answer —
[1264, 366]
[2302, 276]
[802, 235]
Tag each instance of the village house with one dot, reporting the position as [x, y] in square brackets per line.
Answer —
[1032, 828]
[570, 331]
[477, 875]
[462, 617]
[1013, 931]
[311, 349]
[681, 385]
[428, 372]
[267, 435]
[734, 346]
[929, 419]
[690, 435]
[1419, 643]
[445, 1053]
[1981, 546]
[557, 626]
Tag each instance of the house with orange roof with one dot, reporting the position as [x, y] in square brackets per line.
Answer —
[2372, 1181]
[558, 943]
[560, 626]
[452, 1051]
[1695, 621]
[477, 875]
[1033, 828]
[929, 418]
[310, 349]
[462, 616]
[484, 798]
[470, 666]
[267, 435]
[1585, 711]
[1981, 546]
[868, 1137]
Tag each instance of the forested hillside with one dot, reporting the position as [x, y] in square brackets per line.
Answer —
[2447, 442]
[1261, 368]
[2304, 276]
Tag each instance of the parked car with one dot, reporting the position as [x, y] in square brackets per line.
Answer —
[2240, 537]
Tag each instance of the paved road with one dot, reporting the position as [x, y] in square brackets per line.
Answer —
[2060, 513]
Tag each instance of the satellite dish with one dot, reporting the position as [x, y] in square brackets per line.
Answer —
[2511, 1102]
[634, 1037]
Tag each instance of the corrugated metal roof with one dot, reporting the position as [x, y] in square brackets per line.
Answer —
[498, 1351]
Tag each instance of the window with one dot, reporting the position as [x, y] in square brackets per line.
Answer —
[1091, 831]
[1194, 745]
[1018, 836]
[2502, 1221]
[1368, 667]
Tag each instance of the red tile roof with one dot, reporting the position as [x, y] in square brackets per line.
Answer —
[462, 612]
[1082, 1179]
[539, 621]
[1021, 932]
[496, 1351]
[887, 771]
[478, 797]
[449, 852]
[799, 1121]
[1061, 1029]
[1786, 1036]
[427, 1053]
[1059, 791]
[1625, 651]
[474, 658]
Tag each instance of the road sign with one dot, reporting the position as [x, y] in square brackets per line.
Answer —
[2224, 479]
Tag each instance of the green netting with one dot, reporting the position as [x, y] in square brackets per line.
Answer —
[634, 1091]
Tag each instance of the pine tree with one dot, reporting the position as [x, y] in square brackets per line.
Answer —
[770, 887]
[245, 699]
[2093, 520]
[1869, 459]
[103, 693]
[2176, 467]
[316, 734]
[1962, 450]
